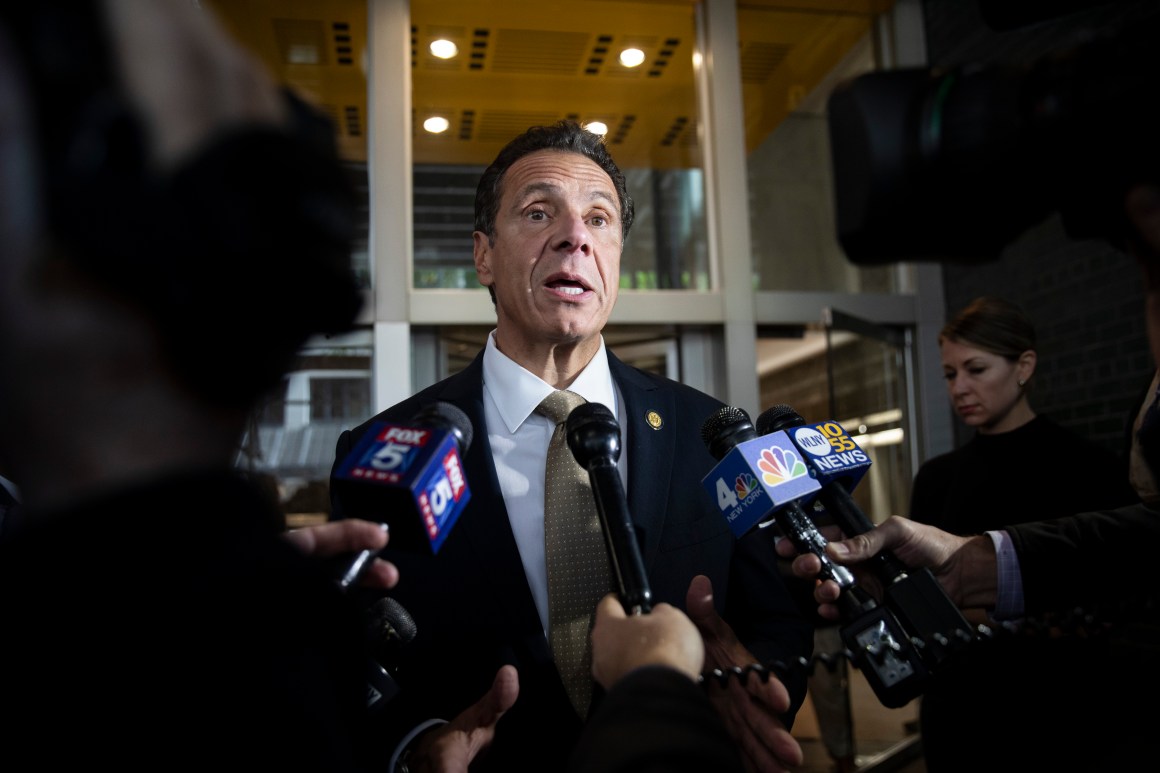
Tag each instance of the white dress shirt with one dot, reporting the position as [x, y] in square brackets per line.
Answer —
[519, 445]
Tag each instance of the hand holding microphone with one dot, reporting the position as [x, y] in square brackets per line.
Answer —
[741, 484]
[622, 642]
[760, 476]
[913, 594]
[388, 625]
[351, 535]
[409, 477]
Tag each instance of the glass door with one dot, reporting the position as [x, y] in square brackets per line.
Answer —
[871, 396]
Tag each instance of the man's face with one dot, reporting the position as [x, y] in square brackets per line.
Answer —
[555, 260]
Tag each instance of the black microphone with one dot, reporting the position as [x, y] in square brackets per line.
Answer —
[409, 477]
[389, 627]
[728, 433]
[837, 478]
[594, 438]
[914, 595]
[747, 479]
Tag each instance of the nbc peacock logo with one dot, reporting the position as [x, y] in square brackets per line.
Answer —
[744, 484]
[779, 465]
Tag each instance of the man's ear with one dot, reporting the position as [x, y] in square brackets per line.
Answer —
[482, 255]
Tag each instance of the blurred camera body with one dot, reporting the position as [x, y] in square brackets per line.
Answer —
[953, 165]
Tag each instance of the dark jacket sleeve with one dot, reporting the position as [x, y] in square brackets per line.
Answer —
[655, 719]
[1099, 561]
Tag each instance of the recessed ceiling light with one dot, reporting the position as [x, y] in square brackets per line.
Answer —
[597, 127]
[444, 49]
[631, 57]
[302, 53]
[436, 124]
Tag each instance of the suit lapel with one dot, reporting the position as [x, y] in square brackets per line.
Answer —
[650, 444]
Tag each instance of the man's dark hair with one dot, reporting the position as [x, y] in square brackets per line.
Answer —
[566, 136]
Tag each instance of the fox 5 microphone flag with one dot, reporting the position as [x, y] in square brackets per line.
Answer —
[412, 469]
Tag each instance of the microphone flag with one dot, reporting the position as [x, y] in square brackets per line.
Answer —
[831, 452]
[758, 477]
[421, 464]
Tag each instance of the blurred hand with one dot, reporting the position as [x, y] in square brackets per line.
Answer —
[451, 748]
[350, 535]
[752, 711]
[186, 76]
[663, 637]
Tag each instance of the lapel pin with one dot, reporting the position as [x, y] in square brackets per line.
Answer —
[654, 419]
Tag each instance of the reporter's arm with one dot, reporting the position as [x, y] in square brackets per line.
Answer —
[450, 747]
[1097, 561]
[655, 720]
[755, 709]
[663, 637]
[965, 566]
[654, 716]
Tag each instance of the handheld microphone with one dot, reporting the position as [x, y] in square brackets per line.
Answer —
[759, 474]
[835, 461]
[914, 595]
[409, 477]
[759, 481]
[389, 626]
[594, 438]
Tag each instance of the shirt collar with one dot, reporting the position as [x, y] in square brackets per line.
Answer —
[517, 391]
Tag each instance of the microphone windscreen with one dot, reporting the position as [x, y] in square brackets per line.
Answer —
[449, 417]
[388, 621]
[778, 417]
[593, 433]
[725, 428]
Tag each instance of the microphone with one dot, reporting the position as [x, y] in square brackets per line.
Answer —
[757, 475]
[915, 596]
[389, 627]
[594, 438]
[409, 477]
[835, 461]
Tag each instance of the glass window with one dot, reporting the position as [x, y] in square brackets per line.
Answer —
[291, 437]
[790, 61]
[856, 379]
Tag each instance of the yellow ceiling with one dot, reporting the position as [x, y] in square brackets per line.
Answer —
[524, 62]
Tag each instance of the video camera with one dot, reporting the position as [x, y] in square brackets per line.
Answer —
[953, 165]
[267, 206]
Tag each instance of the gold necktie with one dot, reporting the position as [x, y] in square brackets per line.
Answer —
[579, 574]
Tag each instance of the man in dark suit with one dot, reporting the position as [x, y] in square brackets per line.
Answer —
[552, 213]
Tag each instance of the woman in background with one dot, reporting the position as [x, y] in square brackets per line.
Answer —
[1015, 700]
